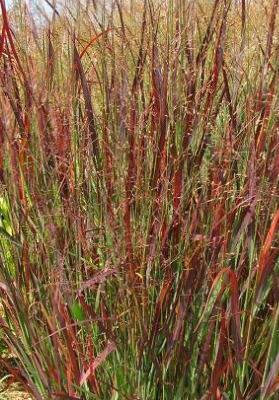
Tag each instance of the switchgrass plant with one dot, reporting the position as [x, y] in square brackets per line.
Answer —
[139, 200]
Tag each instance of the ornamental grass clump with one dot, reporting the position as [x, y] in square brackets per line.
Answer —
[139, 200]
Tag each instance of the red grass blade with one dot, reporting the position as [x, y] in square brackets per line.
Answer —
[98, 278]
[93, 40]
[98, 360]
[2, 39]
[271, 380]
[88, 106]
[234, 305]
[267, 245]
